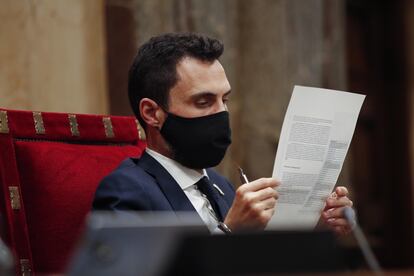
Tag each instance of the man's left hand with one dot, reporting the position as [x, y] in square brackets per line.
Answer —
[333, 215]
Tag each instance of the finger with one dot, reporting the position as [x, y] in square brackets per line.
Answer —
[262, 218]
[334, 213]
[268, 214]
[260, 184]
[338, 202]
[265, 194]
[266, 204]
[341, 191]
[331, 196]
[334, 222]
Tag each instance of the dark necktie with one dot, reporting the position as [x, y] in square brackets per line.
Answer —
[205, 186]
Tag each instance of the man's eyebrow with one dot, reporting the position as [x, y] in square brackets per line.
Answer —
[208, 94]
[203, 94]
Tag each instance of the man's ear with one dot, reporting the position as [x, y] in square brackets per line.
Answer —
[151, 113]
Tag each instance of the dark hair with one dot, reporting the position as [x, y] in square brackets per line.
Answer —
[153, 72]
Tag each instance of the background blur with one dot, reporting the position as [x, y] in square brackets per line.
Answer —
[73, 56]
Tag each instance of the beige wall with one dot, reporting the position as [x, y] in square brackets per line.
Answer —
[52, 56]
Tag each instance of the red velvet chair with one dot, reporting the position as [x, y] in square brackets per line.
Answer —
[50, 166]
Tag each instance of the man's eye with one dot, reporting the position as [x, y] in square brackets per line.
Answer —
[202, 103]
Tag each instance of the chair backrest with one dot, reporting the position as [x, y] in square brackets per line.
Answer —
[50, 166]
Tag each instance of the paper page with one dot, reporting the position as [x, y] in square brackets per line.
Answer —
[316, 134]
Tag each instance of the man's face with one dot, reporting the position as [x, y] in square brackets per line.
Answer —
[202, 89]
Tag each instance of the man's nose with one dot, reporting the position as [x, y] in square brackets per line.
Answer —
[222, 107]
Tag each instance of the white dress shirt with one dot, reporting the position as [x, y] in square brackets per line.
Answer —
[186, 178]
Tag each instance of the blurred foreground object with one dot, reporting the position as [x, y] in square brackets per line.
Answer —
[369, 256]
[124, 243]
[132, 243]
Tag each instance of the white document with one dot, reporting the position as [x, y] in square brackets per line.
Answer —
[316, 134]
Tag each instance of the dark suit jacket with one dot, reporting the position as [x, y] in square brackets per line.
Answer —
[144, 185]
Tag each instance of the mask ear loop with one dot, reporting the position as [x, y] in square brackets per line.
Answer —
[165, 111]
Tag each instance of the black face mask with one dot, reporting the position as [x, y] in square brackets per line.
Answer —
[199, 142]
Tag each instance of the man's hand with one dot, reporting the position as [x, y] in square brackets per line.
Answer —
[333, 215]
[253, 205]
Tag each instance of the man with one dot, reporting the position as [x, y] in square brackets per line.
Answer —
[178, 90]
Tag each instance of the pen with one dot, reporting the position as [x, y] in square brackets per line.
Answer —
[243, 177]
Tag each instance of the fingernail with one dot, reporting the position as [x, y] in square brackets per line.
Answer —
[331, 220]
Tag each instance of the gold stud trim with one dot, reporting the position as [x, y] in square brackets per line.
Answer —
[25, 268]
[109, 130]
[14, 197]
[74, 127]
[4, 122]
[141, 132]
[38, 122]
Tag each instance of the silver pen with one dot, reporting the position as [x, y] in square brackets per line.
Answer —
[243, 177]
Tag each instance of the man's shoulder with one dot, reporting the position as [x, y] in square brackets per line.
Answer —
[128, 166]
[128, 187]
[129, 171]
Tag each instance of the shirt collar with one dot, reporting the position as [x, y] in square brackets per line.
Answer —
[185, 177]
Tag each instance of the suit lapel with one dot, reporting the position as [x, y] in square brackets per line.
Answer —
[172, 191]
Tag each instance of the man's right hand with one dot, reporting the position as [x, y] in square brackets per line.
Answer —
[253, 205]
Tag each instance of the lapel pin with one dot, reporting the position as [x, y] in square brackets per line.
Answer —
[218, 189]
